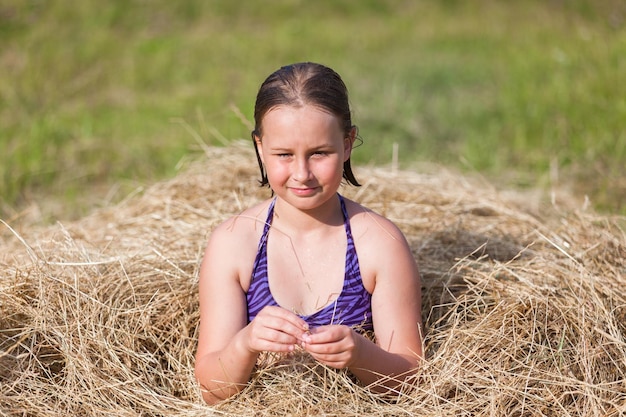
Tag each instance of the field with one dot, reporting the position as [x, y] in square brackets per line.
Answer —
[124, 139]
[98, 100]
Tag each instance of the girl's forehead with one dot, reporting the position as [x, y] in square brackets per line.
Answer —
[307, 123]
[305, 117]
[308, 110]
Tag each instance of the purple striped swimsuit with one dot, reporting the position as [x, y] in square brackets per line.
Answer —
[352, 308]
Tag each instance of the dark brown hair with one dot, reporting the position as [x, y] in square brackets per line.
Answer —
[300, 84]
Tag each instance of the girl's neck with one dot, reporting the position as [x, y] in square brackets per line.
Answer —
[289, 217]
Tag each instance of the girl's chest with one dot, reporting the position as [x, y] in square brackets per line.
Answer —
[304, 277]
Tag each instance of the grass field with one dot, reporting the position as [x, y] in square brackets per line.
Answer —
[100, 98]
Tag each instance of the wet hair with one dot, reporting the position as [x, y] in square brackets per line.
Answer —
[300, 84]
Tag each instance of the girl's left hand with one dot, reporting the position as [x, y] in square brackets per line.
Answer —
[336, 346]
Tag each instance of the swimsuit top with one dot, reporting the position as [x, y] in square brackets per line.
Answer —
[352, 308]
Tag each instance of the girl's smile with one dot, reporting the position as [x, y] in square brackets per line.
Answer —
[302, 192]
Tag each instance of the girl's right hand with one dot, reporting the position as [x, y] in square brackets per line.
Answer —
[275, 329]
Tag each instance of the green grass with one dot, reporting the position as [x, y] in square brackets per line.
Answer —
[101, 96]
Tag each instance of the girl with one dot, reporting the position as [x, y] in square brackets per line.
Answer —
[307, 267]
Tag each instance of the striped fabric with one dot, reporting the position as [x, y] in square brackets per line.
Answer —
[352, 308]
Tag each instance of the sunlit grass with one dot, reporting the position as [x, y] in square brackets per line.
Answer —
[94, 95]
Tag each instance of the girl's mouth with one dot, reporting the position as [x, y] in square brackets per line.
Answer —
[303, 192]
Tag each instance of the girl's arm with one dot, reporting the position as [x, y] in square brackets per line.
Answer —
[223, 364]
[227, 347]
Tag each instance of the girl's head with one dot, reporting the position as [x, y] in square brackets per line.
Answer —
[304, 84]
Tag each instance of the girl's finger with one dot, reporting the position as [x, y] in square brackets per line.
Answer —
[285, 320]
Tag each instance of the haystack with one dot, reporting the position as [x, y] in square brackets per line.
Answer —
[524, 304]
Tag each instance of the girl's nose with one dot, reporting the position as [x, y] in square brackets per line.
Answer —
[302, 171]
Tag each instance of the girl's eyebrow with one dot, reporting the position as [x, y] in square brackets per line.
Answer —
[322, 148]
[314, 148]
[280, 149]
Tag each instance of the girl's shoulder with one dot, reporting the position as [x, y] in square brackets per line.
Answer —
[232, 245]
[243, 228]
[383, 250]
[366, 222]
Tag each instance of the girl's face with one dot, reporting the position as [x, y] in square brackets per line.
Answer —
[303, 150]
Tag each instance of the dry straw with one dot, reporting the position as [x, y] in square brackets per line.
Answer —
[524, 305]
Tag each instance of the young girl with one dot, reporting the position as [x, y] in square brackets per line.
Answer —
[307, 267]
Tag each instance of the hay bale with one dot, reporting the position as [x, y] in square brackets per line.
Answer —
[524, 305]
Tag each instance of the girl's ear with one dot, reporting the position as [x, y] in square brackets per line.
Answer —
[348, 143]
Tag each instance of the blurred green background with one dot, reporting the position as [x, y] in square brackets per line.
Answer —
[98, 97]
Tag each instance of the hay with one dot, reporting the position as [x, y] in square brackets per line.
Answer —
[524, 305]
